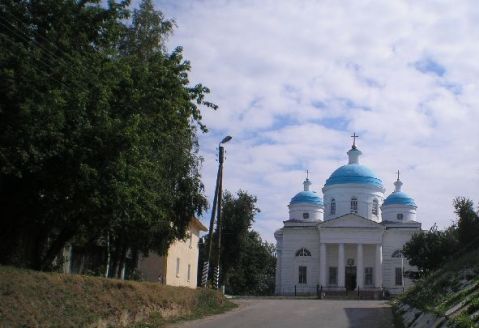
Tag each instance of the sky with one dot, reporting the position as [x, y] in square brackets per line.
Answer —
[295, 79]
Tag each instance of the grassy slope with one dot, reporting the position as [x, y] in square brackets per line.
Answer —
[457, 282]
[37, 299]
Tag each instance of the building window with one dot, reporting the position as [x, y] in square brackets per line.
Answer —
[189, 272]
[333, 276]
[400, 216]
[354, 205]
[368, 276]
[302, 273]
[398, 277]
[305, 216]
[333, 207]
[375, 207]
[177, 266]
[303, 252]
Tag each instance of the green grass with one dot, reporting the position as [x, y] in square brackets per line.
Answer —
[38, 299]
[444, 288]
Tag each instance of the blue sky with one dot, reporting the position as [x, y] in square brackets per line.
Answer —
[294, 79]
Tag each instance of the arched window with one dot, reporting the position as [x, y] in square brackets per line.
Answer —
[397, 253]
[306, 216]
[303, 252]
[354, 205]
[400, 216]
[332, 210]
[375, 207]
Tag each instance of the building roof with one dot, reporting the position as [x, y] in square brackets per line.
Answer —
[399, 198]
[197, 223]
[307, 197]
[354, 173]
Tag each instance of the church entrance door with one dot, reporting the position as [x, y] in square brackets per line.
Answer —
[350, 278]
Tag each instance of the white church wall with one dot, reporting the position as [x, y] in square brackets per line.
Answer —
[394, 239]
[343, 193]
[296, 212]
[390, 213]
[293, 240]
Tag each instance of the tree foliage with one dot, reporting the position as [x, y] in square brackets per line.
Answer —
[247, 262]
[98, 128]
[468, 223]
[428, 250]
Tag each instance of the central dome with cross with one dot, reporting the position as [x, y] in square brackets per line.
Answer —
[353, 188]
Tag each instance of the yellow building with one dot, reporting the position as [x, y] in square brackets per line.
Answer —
[180, 266]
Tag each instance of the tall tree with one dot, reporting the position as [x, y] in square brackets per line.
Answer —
[247, 262]
[468, 220]
[98, 129]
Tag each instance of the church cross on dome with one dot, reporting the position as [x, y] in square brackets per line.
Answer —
[398, 176]
[354, 136]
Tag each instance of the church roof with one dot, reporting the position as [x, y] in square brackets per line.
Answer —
[399, 198]
[308, 197]
[354, 173]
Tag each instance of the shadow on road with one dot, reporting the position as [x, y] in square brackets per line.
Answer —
[359, 317]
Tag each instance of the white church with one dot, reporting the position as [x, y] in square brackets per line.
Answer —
[350, 239]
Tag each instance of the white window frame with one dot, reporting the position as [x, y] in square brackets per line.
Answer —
[375, 209]
[354, 205]
[332, 210]
[177, 267]
[302, 274]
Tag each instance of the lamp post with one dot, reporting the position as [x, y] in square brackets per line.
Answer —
[216, 207]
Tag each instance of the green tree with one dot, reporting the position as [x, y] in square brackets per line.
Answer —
[98, 130]
[247, 262]
[429, 249]
[468, 220]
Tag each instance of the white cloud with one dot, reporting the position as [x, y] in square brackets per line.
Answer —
[294, 79]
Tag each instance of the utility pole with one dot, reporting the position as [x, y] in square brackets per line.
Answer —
[216, 209]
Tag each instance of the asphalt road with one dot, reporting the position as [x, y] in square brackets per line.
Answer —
[286, 313]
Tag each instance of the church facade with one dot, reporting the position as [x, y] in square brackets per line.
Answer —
[349, 239]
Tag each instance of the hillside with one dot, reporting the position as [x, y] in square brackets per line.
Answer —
[447, 297]
[38, 299]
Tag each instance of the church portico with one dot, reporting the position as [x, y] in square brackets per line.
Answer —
[352, 240]
[341, 263]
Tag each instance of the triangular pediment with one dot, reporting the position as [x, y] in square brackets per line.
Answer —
[351, 221]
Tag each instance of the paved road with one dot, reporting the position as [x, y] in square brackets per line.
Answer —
[286, 313]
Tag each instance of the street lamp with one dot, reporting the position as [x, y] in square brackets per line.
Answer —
[216, 207]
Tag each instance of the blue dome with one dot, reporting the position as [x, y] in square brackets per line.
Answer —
[354, 173]
[399, 198]
[308, 197]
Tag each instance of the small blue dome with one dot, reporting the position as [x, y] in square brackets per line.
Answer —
[308, 197]
[354, 173]
[399, 198]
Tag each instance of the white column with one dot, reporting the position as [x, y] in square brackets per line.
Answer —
[379, 265]
[322, 264]
[341, 265]
[360, 266]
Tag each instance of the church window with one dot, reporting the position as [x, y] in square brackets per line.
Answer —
[375, 207]
[400, 216]
[302, 275]
[189, 272]
[398, 277]
[332, 210]
[368, 276]
[305, 216]
[177, 266]
[354, 205]
[333, 276]
[397, 253]
[303, 252]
